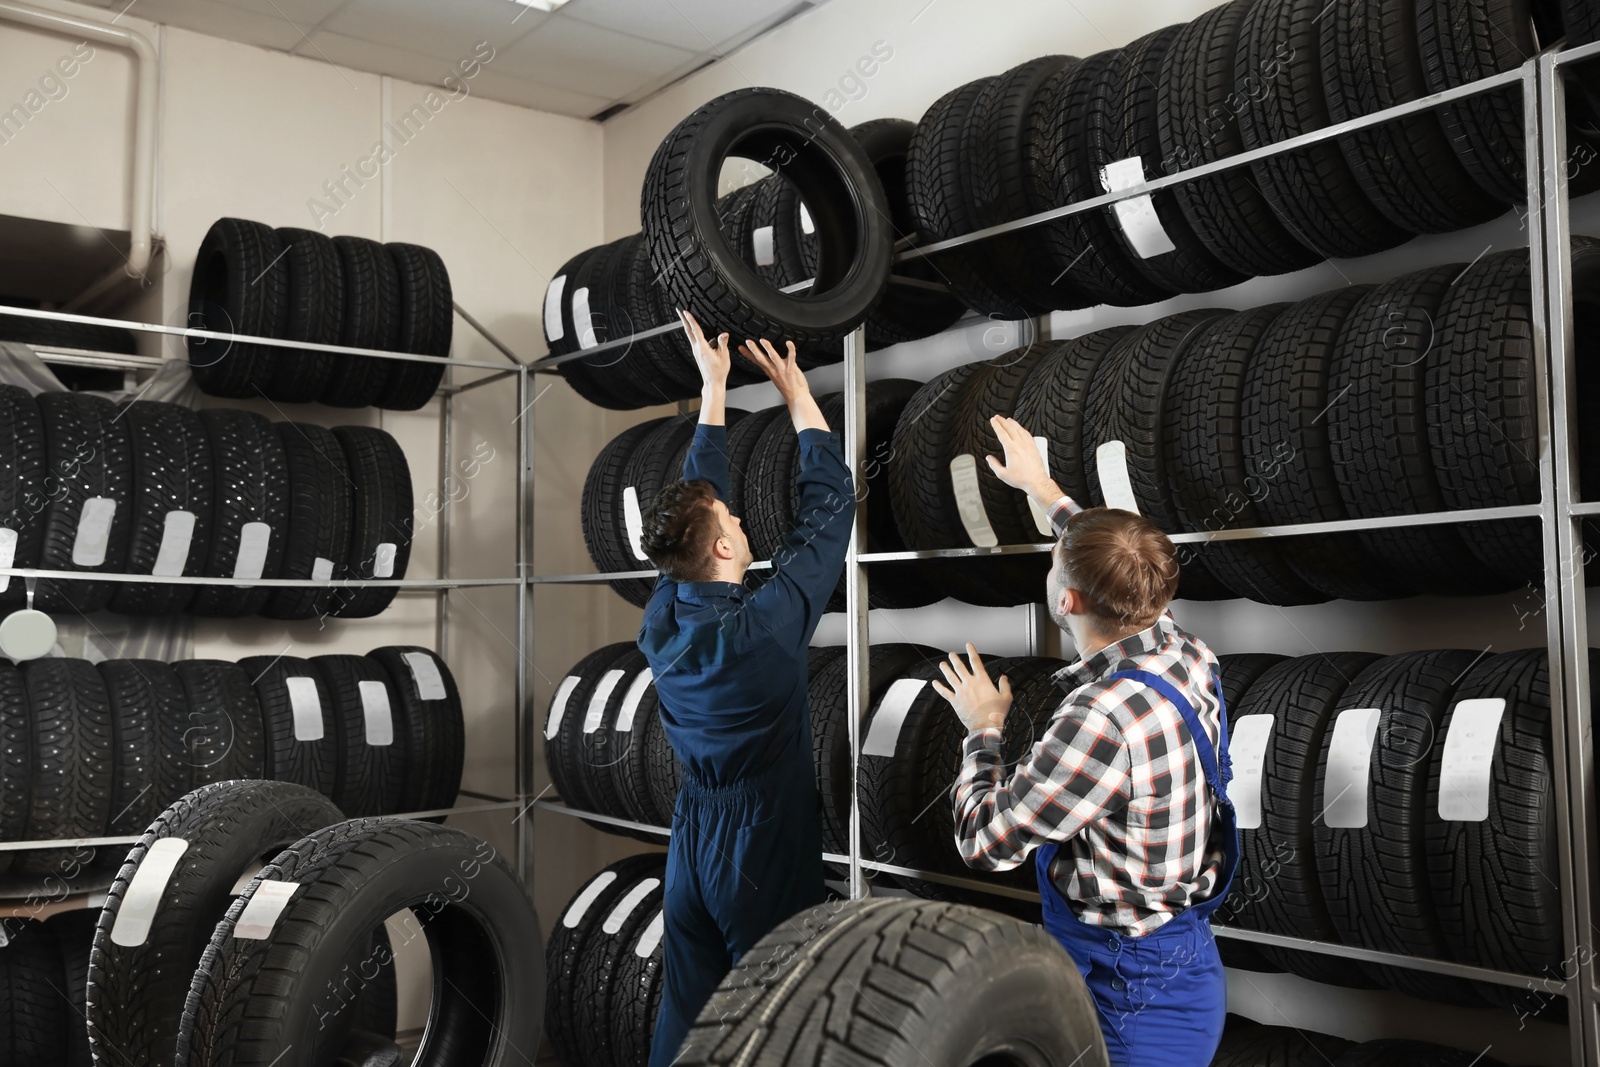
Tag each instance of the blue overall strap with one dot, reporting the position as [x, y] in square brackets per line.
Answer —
[1191, 719]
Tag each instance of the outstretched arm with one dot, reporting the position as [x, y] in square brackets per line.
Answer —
[708, 452]
[807, 564]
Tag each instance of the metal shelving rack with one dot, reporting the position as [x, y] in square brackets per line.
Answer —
[1559, 511]
[440, 588]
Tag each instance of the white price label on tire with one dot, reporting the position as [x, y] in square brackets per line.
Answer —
[145, 890]
[254, 537]
[8, 554]
[558, 706]
[633, 520]
[1247, 747]
[1111, 460]
[883, 735]
[554, 328]
[1466, 766]
[425, 673]
[306, 706]
[630, 701]
[1137, 217]
[376, 716]
[177, 532]
[599, 699]
[969, 501]
[1349, 770]
[94, 531]
[1041, 521]
[581, 902]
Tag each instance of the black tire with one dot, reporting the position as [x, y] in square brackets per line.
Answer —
[666, 357]
[604, 523]
[49, 333]
[1061, 169]
[1211, 485]
[906, 819]
[149, 723]
[1312, 189]
[72, 761]
[597, 1000]
[1495, 882]
[743, 442]
[136, 991]
[251, 487]
[630, 724]
[1124, 121]
[241, 286]
[225, 739]
[570, 942]
[906, 312]
[636, 995]
[1053, 402]
[370, 767]
[564, 735]
[16, 759]
[380, 519]
[1131, 405]
[995, 393]
[898, 584]
[1016, 165]
[1378, 433]
[1300, 695]
[666, 773]
[22, 484]
[774, 204]
[919, 465]
[33, 1014]
[649, 469]
[297, 718]
[1199, 124]
[427, 320]
[1464, 42]
[321, 497]
[1483, 410]
[430, 723]
[594, 758]
[1375, 877]
[561, 335]
[1032, 996]
[827, 700]
[171, 472]
[314, 296]
[770, 496]
[371, 320]
[352, 877]
[74, 933]
[86, 456]
[599, 315]
[1372, 61]
[936, 195]
[706, 275]
[1286, 446]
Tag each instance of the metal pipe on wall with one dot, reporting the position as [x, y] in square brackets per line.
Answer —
[141, 194]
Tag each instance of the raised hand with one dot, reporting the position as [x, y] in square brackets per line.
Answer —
[715, 360]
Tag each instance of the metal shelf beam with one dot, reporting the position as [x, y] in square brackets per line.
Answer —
[252, 583]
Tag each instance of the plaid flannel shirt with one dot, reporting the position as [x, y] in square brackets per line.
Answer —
[1116, 779]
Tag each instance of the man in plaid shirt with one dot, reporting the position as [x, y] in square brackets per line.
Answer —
[1123, 802]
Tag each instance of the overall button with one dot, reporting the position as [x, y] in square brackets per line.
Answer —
[1115, 944]
[1118, 984]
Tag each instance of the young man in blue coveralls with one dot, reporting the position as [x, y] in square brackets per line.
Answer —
[730, 673]
[1123, 802]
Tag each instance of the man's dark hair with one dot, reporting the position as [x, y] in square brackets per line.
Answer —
[1123, 565]
[679, 528]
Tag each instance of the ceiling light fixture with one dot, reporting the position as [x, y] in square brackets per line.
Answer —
[540, 5]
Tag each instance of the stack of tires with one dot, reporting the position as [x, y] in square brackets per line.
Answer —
[1242, 76]
[1412, 396]
[604, 961]
[608, 753]
[612, 291]
[1401, 803]
[97, 750]
[44, 972]
[911, 754]
[160, 489]
[763, 460]
[301, 285]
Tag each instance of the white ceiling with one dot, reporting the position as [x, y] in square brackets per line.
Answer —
[585, 58]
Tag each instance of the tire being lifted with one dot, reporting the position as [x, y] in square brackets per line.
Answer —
[705, 273]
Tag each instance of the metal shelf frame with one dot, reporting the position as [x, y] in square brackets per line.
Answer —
[511, 368]
[1559, 511]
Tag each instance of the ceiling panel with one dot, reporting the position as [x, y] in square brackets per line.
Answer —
[422, 26]
[695, 25]
[589, 59]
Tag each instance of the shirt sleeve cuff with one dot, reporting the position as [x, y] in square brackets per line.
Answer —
[817, 437]
[710, 433]
[986, 739]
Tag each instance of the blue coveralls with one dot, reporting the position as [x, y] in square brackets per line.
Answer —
[730, 673]
[1162, 998]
